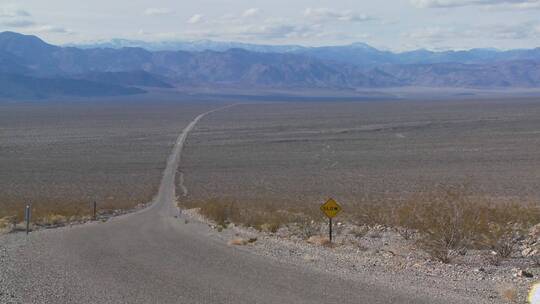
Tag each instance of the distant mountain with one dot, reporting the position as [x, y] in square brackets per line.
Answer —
[521, 73]
[31, 67]
[360, 54]
[189, 46]
[130, 78]
[27, 87]
[234, 67]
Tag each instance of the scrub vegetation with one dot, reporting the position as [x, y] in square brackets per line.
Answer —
[445, 221]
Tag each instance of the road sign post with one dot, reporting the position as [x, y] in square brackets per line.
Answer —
[95, 211]
[330, 229]
[331, 209]
[27, 217]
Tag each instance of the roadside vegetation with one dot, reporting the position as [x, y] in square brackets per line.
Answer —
[48, 213]
[444, 221]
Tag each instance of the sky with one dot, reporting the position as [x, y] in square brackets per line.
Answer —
[396, 25]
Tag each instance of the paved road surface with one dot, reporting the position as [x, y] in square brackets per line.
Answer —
[152, 257]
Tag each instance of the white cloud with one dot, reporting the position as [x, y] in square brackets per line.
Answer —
[158, 11]
[12, 13]
[330, 15]
[46, 28]
[446, 36]
[528, 5]
[276, 31]
[518, 4]
[18, 23]
[197, 18]
[251, 12]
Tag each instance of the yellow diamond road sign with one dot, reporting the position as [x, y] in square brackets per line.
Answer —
[331, 208]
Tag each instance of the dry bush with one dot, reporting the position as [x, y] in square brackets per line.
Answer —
[360, 232]
[307, 228]
[536, 260]
[450, 219]
[502, 238]
[446, 220]
[493, 259]
[222, 212]
[4, 223]
[52, 211]
[7, 224]
[257, 215]
[52, 220]
[508, 293]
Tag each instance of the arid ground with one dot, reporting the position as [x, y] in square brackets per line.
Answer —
[63, 156]
[306, 152]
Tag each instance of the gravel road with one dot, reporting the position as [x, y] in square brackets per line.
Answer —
[153, 257]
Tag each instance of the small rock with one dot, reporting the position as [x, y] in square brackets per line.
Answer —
[309, 258]
[527, 252]
[523, 274]
[238, 242]
[481, 269]
[319, 240]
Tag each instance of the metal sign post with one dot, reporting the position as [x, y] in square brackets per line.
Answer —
[95, 210]
[330, 229]
[28, 217]
[331, 209]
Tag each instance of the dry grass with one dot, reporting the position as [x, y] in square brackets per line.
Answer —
[445, 220]
[360, 232]
[53, 212]
[449, 219]
[508, 293]
[6, 224]
[260, 216]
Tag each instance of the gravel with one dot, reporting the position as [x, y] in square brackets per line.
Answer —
[385, 257]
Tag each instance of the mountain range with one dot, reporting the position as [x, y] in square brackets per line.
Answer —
[32, 68]
[357, 53]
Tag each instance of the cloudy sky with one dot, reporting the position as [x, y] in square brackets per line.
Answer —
[390, 24]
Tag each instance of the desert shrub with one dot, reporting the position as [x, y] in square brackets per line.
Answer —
[372, 211]
[307, 228]
[222, 212]
[535, 258]
[257, 215]
[493, 259]
[360, 232]
[450, 219]
[445, 218]
[508, 293]
[52, 220]
[502, 238]
[6, 224]
[406, 233]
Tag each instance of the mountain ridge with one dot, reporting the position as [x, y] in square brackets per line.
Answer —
[126, 70]
[361, 52]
